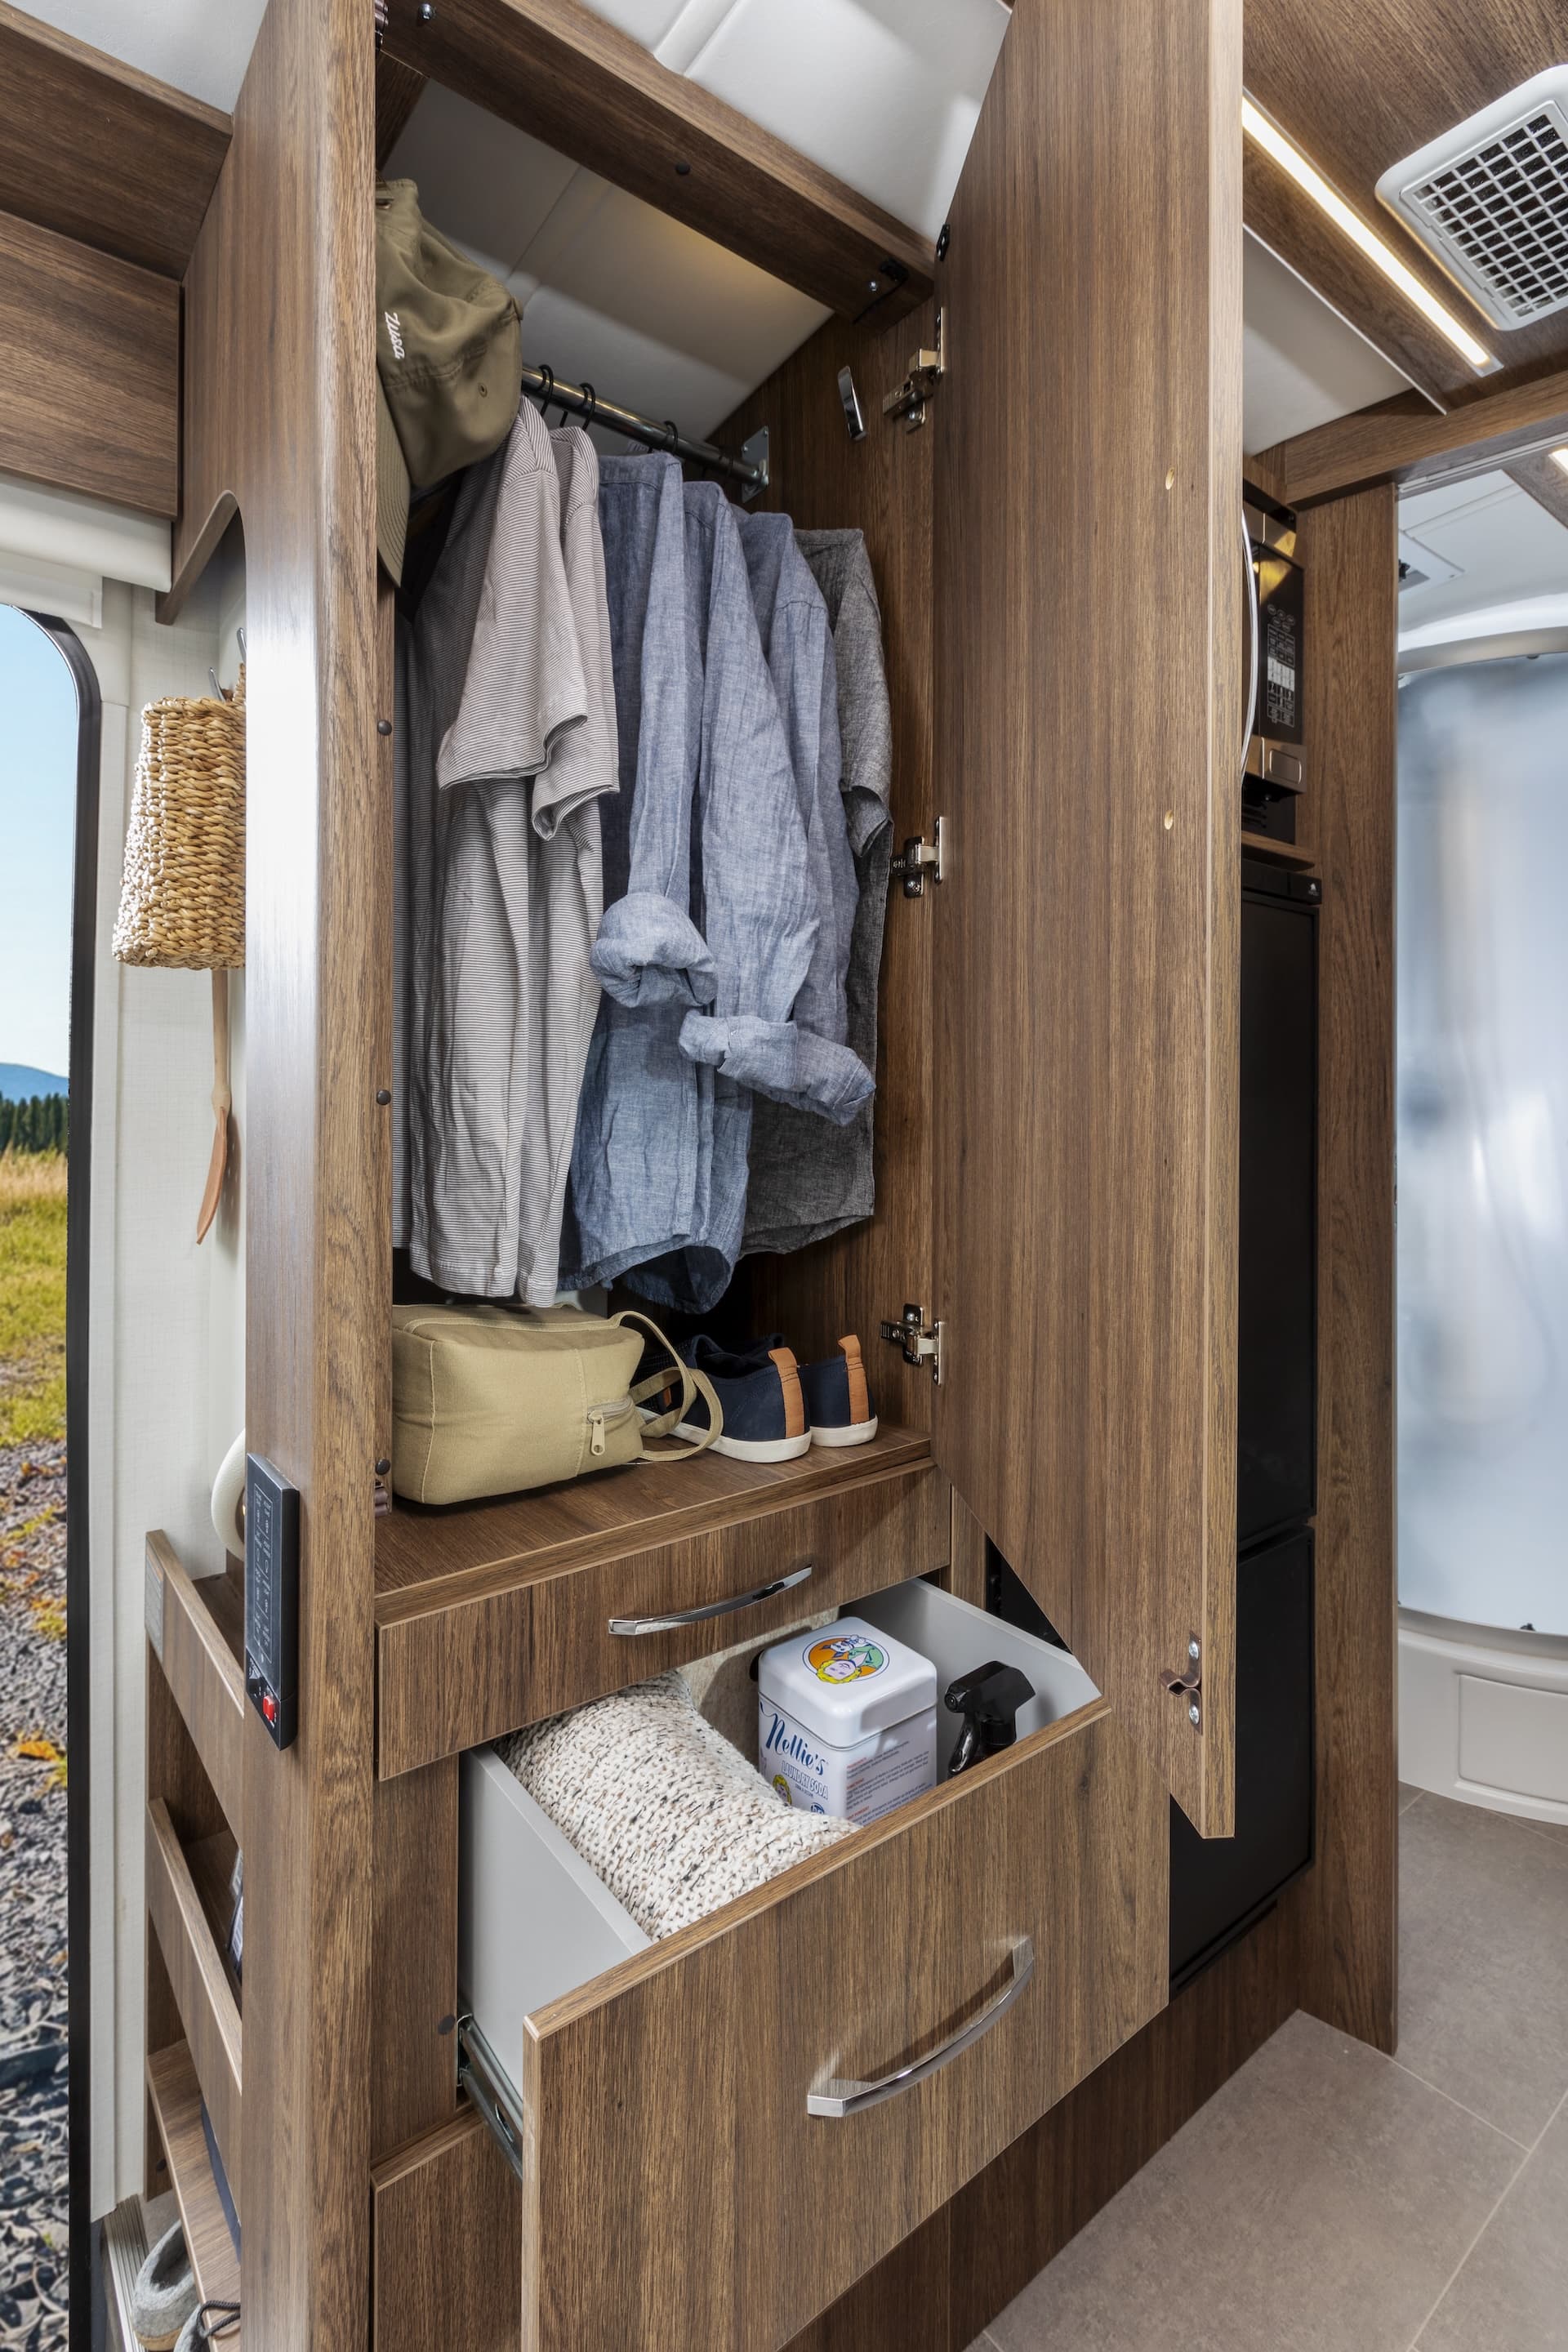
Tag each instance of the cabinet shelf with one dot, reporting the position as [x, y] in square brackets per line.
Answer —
[1262, 844]
[176, 2101]
[493, 1615]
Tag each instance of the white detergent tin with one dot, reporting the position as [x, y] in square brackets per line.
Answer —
[847, 1720]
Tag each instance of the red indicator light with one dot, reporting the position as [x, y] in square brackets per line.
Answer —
[269, 1706]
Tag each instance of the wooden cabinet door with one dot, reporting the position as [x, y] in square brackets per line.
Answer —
[1088, 583]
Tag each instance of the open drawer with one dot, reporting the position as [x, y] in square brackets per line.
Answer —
[717, 2133]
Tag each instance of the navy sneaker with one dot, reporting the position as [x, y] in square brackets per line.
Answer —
[760, 1395]
[839, 1409]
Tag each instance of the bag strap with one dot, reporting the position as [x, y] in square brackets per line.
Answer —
[693, 1384]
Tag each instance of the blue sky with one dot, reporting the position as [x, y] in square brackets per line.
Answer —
[37, 821]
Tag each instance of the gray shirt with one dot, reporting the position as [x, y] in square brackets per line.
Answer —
[503, 999]
[808, 1178]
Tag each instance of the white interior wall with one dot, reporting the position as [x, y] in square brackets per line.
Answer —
[166, 1382]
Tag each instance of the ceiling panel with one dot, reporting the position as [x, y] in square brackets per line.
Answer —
[884, 94]
[1504, 545]
[1301, 364]
[197, 47]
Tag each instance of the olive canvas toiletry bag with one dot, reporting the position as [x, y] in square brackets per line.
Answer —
[488, 1400]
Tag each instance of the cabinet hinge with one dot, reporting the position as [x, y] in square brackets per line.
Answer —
[921, 1343]
[926, 372]
[381, 12]
[918, 858]
[1189, 1684]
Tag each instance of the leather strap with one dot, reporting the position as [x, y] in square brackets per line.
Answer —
[693, 1384]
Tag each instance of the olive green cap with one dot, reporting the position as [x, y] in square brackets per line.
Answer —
[449, 356]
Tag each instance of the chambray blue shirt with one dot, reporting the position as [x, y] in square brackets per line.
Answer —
[714, 831]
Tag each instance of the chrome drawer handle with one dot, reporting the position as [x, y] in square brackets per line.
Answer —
[711, 1608]
[854, 2098]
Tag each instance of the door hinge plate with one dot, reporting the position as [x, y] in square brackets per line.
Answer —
[919, 1342]
[927, 369]
[919, 857]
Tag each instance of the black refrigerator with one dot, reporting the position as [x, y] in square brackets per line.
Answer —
[1220, 1885]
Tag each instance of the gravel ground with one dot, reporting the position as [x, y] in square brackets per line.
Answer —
[32, 1899]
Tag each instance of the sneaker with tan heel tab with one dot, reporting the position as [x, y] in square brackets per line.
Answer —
[759, 1394]
[838, 1405]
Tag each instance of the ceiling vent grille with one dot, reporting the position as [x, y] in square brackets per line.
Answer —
[1490, 199]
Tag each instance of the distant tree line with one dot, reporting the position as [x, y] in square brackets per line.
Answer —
[42, 1123]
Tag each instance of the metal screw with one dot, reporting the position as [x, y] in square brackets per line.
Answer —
[1194, 1649]
[944, 239]
[425, 12]
[1194, 1714]
[874, 288]
[382, 1466]
[683, 171]
[384, 725]
[383, 1097]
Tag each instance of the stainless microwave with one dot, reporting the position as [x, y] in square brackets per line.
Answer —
[1276, 765]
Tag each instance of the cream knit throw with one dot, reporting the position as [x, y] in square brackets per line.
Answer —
[659, 1805]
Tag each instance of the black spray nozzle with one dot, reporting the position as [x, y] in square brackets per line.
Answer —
[988, 1697]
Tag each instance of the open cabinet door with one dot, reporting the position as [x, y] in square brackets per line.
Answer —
[1089, 587]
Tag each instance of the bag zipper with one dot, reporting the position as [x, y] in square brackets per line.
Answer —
[600, 1416]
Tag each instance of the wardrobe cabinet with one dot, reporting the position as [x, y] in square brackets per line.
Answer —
[1052, 509]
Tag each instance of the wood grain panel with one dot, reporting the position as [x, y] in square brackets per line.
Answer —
[1543, 482]
[1379, 445]
[205, 1679]
[1358, 84]
[89, 393]
[414, 1958]
[447, 2224]
[175, 2097]
[201, 1991]
[473, 1658]
[880, 485]
[567, 77]
[1087, 945]
[101, 153]
[902, 2304]
[279, 423]
[1349, 1902]
[742, 2224]
[966, 1569]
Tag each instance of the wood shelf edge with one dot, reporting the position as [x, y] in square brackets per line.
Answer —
[1284, 852]
[175, 2097]
[204, 1677]
[203, 1994]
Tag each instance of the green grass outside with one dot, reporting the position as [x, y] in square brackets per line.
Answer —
[32, 1296]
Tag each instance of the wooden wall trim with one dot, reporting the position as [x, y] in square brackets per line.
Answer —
[278, 418]
[175, 2097]
[1348, 1903]
[89, 390]
[1376, 445]
[566, 75]
[103, 153]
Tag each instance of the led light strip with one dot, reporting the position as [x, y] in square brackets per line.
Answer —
[1312, 182]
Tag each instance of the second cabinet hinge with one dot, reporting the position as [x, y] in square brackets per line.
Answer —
[921, 1343]
[919, 857]
[927, 369]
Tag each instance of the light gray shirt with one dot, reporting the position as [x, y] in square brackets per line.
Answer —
[510, 749]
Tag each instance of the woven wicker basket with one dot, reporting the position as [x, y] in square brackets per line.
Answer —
[182, 897]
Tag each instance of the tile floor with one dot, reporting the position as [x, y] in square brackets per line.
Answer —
[1330, 2199]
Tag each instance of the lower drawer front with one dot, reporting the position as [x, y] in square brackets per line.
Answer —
[457, 1672]
[679, 2192]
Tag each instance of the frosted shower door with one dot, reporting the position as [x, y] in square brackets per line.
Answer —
[1483, 1143]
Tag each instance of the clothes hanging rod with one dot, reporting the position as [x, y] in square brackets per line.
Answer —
[749, 469]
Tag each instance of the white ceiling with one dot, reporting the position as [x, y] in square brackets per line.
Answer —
[1302, 364]
[1500, 545]
[201, 47]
